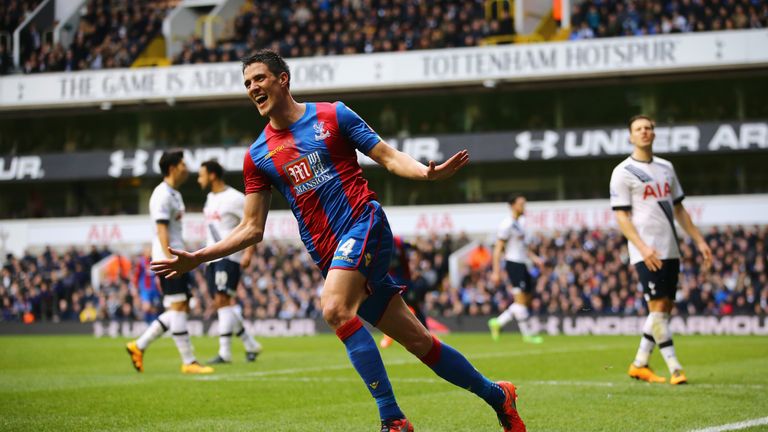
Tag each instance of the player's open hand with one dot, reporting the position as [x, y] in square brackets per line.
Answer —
[651, 259]
[447, 168]
[181, 263]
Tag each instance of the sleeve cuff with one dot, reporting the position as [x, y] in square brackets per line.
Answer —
[163, 221]
[624, 208]
[678, 200]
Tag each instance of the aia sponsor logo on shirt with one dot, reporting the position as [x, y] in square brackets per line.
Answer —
[307, 172]
[657, 190]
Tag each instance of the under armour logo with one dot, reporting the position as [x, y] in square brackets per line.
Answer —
[120, 163]
[320, 132]
[547, 145]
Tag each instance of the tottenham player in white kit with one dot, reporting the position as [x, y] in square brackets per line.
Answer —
[223, 212]
[513, 244]
[166, 207]
[646, 197]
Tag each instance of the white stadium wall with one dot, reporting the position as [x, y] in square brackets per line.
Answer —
[476, 220]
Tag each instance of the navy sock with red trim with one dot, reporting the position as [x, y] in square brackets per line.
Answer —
[453, 367]
[365, 357]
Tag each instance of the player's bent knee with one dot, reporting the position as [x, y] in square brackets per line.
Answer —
[336, 315]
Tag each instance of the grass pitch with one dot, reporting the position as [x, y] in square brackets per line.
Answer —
[306, 384]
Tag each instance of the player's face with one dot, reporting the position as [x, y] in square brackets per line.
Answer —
[180, 172]
[203, 178]
[263, 87]
[519, 206]
[641, 133]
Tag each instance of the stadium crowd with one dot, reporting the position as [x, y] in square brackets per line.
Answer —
[110, 34]
[585, 273]
[113, 33]
[610, 18]
[318, 28]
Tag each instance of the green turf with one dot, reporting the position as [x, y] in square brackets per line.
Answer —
[306, 384]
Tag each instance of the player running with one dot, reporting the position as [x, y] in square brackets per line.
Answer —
[223, 211]
[307, 152]
[646, 197]
[512, 242]
[166, 207]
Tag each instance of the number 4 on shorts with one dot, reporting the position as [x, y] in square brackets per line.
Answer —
[346, 247]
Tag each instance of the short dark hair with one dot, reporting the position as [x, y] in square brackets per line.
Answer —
[640, 117]
[275, 63]
[169, 159]
[513, 198]
[213, 166]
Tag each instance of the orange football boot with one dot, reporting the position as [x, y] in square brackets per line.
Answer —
[644, 374]
[508, 417]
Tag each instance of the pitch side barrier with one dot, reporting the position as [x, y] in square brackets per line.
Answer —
[741, 325]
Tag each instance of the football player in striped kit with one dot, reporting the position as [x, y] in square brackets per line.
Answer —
[307, 152]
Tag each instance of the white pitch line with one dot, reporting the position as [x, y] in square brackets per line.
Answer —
[735, 426]
[404, 361]
[563, 383]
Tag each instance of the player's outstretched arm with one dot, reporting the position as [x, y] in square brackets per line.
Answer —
[403, 165]
[249, 232]
[684, 219]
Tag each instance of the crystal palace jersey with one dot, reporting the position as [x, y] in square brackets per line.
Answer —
[166, 206]
[313, 164]
[649, 190]
[223, 211]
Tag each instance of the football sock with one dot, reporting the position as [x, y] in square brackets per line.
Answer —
[453, 367]
[155, 330]
[365, 357]
[646, 344]
[251, 344]
[181, 336]
[522, 315]
[506, 316]
[226, 325]
[663, 336]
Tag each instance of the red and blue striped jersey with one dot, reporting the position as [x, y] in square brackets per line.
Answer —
[313, 164]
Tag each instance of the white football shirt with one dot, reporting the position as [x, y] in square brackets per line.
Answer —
[223, 212]
[166, 205]
[512, 231]
[650, 191]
